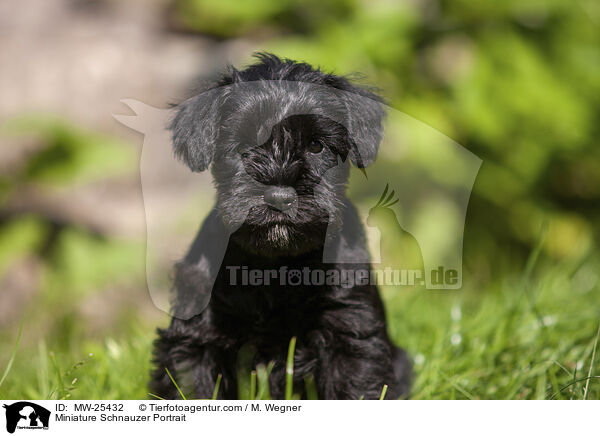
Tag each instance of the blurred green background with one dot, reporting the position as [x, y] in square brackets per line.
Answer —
[516, 83]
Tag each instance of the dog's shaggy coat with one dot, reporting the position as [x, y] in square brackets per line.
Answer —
[279, 137]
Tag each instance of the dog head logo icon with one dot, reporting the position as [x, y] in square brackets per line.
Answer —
[26, 415]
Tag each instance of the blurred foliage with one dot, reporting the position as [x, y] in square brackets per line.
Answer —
[67, 260]
[237, 18]
[517, 83]
[68, 155]
[105, 369]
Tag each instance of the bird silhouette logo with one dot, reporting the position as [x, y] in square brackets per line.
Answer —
[404, 246]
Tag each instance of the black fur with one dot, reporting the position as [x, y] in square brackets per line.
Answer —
[264, 127]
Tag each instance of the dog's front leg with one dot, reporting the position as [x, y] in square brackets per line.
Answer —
[355, 358]
[353, 368]
[194, 366]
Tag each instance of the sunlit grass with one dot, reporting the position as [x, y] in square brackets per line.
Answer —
[519, 339]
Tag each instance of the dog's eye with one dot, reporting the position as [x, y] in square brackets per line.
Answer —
[315, 147]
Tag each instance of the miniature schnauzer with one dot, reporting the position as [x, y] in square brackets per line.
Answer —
[279, 137]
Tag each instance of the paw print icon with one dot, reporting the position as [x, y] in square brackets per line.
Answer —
[294, 277]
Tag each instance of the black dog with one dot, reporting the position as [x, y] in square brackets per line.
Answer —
[280, 136]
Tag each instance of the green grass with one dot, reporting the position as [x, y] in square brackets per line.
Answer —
[504, 345]
[524, 338]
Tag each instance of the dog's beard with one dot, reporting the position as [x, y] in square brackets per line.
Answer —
[279, 235]
[282, 233]
[280, 240]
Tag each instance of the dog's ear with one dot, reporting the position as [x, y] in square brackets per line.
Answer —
[195, 128]
[364, 120]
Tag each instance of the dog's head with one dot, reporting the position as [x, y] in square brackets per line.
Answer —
[273, 133]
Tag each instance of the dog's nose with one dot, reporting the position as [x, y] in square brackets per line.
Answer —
[280, 197]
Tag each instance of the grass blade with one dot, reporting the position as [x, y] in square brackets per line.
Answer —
[13, 355]
[253, 385]
[383, 392]
[456, 386]
[262, 374]
[289, 370]
[589, 377]
[217, 385]
[175, 383]
[311, 388]
[61, 391]
[537, 250]
[574, 382]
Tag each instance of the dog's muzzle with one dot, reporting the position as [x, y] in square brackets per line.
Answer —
[280, 197]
